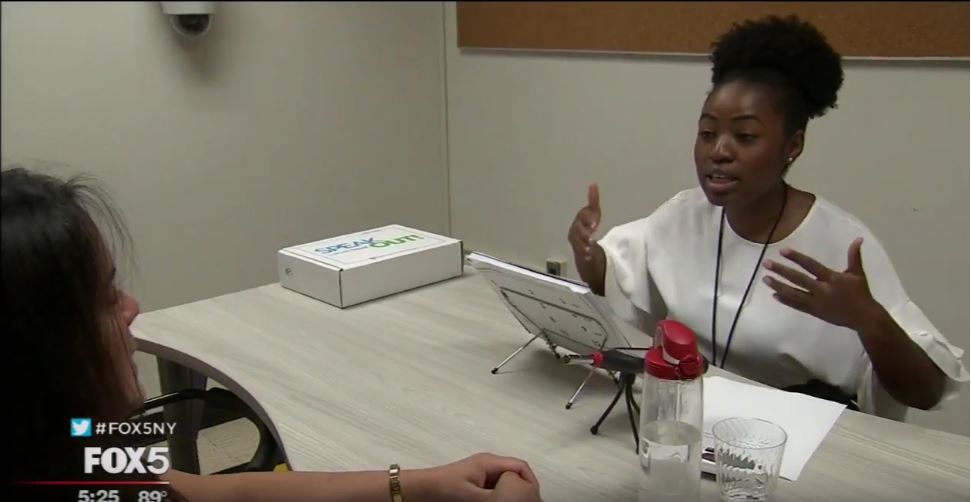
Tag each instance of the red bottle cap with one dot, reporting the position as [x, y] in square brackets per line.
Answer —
[675, 354]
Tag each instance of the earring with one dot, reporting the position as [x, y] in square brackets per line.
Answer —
[790, 161]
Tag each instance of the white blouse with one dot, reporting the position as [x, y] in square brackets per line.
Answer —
[663, 266]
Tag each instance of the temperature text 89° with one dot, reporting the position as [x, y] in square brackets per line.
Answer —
[152, 496]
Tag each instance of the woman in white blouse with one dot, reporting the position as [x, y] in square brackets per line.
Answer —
[780, 285]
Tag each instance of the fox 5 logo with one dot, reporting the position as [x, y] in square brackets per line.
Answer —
[127, 460]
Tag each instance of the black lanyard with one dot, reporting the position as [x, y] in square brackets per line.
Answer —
[718, 262]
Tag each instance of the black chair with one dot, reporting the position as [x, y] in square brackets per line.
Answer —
[218, 407]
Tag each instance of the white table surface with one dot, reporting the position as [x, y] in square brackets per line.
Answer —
[406, 379]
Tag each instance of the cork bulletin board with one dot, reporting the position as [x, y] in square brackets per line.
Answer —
[855, 29]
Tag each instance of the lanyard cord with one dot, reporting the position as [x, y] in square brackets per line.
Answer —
[714, 299]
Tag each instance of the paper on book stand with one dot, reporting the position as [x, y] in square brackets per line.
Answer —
[566, 313]
[805, 419]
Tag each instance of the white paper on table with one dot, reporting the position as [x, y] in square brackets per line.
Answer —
[805, 419]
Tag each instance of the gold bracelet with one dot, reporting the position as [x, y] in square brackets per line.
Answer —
[394, 480]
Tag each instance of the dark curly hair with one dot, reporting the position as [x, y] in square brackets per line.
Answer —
[787, 54]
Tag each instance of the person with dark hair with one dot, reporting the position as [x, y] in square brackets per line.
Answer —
[67, 321]
[780, 285]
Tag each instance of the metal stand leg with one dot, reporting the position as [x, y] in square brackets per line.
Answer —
[514, 354]
[625, 387]
[569, 404]
[596, 426]
[629, 395]
[187, 416]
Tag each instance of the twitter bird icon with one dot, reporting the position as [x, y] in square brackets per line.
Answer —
[80, 427]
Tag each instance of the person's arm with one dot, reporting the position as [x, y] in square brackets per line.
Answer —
[905, 371]
[592, 267]
[469, 480]
[615, 266]
[589, 257]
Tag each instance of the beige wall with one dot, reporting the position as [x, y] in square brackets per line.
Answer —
[527, 132]
[286, 123]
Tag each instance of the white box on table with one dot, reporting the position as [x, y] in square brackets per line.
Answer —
[362, 266]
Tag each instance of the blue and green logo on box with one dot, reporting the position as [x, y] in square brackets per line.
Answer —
[370, 242]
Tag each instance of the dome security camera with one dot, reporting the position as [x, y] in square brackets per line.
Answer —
[189, 19]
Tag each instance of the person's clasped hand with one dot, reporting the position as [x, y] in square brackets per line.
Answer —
[483, 477]
[512, 488]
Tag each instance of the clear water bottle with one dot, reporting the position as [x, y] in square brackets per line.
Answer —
[671, 417]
